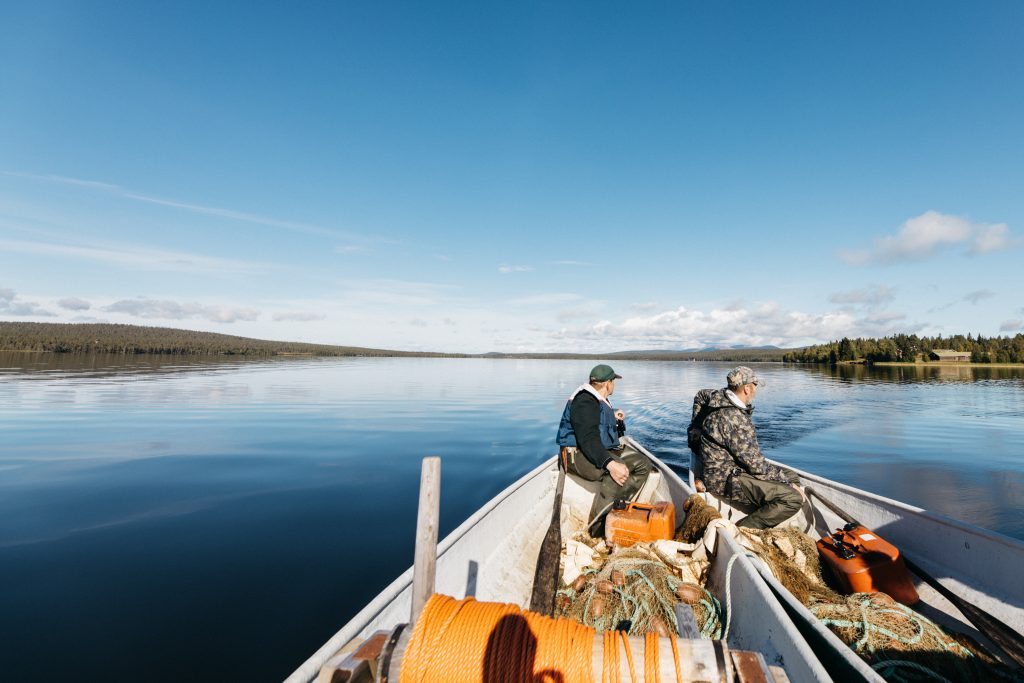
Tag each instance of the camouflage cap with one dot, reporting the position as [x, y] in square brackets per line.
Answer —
[742, 375]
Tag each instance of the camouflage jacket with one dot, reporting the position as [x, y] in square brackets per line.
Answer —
[728, 444]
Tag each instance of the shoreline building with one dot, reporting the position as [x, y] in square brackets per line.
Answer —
[949, 355]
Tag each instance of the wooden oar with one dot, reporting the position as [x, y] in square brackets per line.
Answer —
[1004, 636]
[545, 578]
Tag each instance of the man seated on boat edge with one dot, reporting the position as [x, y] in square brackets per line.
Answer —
[592, 446]
[722, 435]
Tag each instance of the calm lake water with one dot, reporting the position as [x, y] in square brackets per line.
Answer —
[182, 519]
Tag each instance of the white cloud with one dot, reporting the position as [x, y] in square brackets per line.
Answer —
[194, 208]
[350, 249]
[978, 295]
[644, 307]
[172, 310]
[298, 317]
[925, 235]
[1011, 325]
[391, 293]
[546, 299]
[994, 238]
[942, 307]
[140, 258]
[586, 312]
[505, 270]
[74, 304]
[11, 305]
[766, 324]
[418, 322]
[26, 308]
[877, 295]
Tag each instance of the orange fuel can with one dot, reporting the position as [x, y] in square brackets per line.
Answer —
[640, 523]
[863, 562]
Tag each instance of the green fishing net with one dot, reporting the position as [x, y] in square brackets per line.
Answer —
[632, 590]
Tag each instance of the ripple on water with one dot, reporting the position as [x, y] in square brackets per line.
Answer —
[127, 480]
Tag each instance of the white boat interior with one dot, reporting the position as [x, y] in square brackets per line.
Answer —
[492, 557]
[977, 565]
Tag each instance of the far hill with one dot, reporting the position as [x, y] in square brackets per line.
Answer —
[740, 355]
[137, 339]
[133, 339]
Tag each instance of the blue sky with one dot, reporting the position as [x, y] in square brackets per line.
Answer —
[513, 176]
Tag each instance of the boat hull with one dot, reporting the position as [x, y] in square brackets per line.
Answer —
[492, 556]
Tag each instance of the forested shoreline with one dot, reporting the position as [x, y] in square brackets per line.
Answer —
[137, 339]
[104, 338]
[910, 349]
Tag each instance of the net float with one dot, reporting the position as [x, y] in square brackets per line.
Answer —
[689, 593]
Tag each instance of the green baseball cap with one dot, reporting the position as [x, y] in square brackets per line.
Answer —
[603, 373]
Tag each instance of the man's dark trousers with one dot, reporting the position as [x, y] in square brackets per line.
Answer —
[775, 502]
[639, 469]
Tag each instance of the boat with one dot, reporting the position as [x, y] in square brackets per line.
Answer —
[493, 554]
[973, 575]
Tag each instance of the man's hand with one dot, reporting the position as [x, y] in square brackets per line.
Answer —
[618, 471]
[619, 415]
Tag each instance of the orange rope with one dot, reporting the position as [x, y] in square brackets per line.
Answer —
[675, 659]
[466, 640]
[610, 673]
[652, 665]
[629, 656]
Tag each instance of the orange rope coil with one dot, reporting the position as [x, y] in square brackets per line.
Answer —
[465, 640]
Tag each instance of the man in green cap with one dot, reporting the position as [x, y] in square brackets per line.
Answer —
[590, 436]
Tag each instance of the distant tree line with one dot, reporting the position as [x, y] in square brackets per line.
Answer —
[910, 348]
[770, 355]
[136, 339]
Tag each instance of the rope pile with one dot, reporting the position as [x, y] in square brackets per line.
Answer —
[466, 640]
[698, 515]
[900, 644]
[793, 559]
[636, 592]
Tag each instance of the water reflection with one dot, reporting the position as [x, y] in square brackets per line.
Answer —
[44, 366]
[126, 480]
[922, 372]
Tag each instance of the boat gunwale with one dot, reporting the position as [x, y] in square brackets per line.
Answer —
[813, 663]
[309, 669]
[937, 517]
